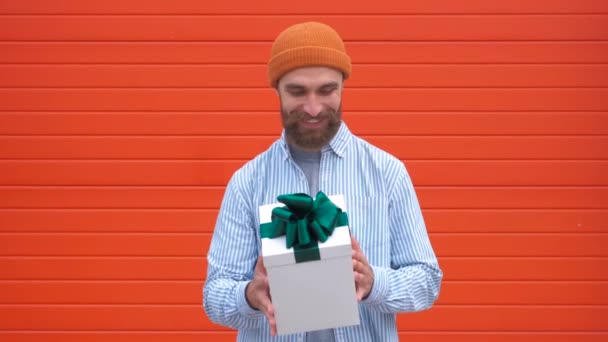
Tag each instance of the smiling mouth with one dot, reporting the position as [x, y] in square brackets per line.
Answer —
[312, 123]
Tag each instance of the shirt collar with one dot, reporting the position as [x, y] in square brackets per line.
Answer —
[337, 144]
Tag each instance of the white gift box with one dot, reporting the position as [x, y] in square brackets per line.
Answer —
[311, 295]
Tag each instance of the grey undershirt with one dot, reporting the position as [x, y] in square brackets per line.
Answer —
[310, 162]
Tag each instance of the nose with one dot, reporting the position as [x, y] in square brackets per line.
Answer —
[313, 106]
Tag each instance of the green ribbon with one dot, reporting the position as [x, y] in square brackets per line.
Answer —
[304, 222]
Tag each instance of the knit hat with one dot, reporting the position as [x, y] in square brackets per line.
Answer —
[307, 44]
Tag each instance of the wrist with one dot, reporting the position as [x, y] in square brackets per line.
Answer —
[379, 290]
[371, 287]
[241, 299]
[247, 295]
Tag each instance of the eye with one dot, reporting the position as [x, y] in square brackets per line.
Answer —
[297, 92]
[327, 90]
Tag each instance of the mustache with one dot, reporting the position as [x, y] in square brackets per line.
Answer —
[300, 114]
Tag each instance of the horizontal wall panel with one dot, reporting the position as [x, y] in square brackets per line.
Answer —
[511, 198]
[505, 318]
[218, 173]
[203, 221]
[217, 336]
[105, 244]
[478, 99]
[103, 268]
[518, 245]
[191, 317]
[238, 28]
[119, 197]
[445, 245]
[195, 268]
[122, 173]
[197, 221]
[189, 292]
[152, 220]
[509, 172]
[526, 221]
[364, 75]
[130, 197]
[237, 147]
[250, 52]
[540, 269]
[176, 336]
[95, 317]
[117, 292]
[503, 336]
[269, 123]
[523, 293]
[312, 7]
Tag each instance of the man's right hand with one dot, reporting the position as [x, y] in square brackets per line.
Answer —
[257, 294]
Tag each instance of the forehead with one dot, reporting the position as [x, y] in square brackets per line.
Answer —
[311, 76]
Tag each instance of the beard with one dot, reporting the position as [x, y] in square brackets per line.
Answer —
[308, 138]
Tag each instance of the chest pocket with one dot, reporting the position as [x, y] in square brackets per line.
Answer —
[369, 223]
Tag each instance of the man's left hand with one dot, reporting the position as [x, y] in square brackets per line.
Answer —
[364, 275]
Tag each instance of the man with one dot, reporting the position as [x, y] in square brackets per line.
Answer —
[394, 266]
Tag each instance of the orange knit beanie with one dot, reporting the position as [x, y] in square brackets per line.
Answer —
[307, 44]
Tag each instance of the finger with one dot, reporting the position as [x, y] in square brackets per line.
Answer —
[361, 266]
[358, 256]
[271, 320]
[360, 278]
[361, 286]
[359, 292]
[266, 284]
[356, 265]
[273, 326]
[354, 243]
[267, 290]
[267, 308]
[273, 329]
[272, 323]
[357, 268]
[259, 266]
[359, 281]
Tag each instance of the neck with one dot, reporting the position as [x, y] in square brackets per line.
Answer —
[293, 145]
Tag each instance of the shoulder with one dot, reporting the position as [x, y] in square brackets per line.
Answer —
[371, 154]
[245, 177]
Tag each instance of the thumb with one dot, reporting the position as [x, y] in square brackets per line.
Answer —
[354, 242]
[259, 266]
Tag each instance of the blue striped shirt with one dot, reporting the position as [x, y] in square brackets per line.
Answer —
[384, 216]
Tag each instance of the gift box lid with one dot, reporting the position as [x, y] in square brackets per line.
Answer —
[274, 251]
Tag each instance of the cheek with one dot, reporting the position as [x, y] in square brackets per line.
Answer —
[333, 100]
[289, 104]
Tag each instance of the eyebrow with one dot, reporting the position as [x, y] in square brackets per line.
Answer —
[330, 85]
[293, 86]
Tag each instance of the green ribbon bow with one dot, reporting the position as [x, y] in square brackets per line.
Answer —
[304, 222]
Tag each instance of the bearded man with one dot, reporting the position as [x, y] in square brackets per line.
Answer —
[394, 266]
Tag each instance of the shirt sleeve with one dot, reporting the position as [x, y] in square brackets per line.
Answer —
[231, 262]
[413, 280]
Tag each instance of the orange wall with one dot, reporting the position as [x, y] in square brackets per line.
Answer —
[122, 121]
